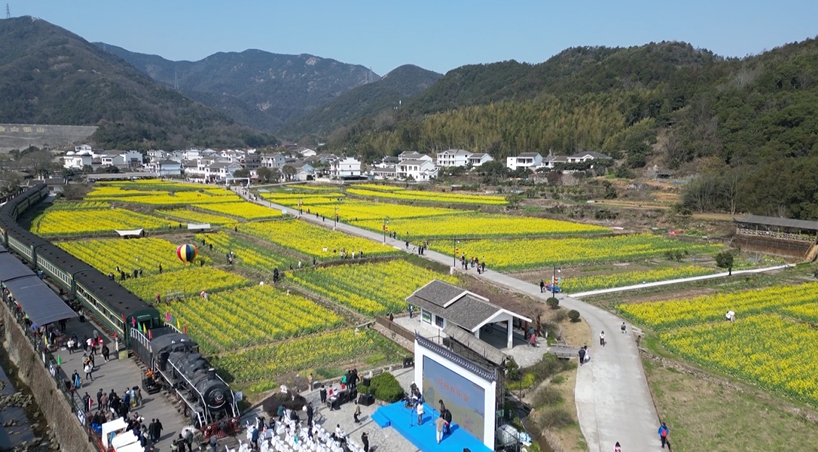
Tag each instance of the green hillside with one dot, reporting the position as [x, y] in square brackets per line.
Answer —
[51, 76]
[367, 101]
[749, 125]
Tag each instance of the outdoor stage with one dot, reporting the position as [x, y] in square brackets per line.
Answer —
[424, 436]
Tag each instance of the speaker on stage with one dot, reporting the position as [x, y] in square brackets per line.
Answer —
[366, 399]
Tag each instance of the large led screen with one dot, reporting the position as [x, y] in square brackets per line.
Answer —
[464, 399]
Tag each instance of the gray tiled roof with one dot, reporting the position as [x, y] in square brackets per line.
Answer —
[529, 154]
[780, 222]
[469, 310]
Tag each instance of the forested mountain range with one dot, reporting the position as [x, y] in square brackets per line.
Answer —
[370, 100]
[260, 89]
[49, 75]
[748, 124]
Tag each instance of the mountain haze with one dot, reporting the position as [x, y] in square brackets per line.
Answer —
[399, 85]
[256, 88]
[49, 75]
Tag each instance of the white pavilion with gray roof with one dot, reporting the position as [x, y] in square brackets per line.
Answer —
[444, 305]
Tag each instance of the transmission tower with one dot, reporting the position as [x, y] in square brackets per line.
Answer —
[8, 12]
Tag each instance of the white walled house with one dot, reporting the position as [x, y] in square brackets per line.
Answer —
[530, 160]
[221, 171]
[419, 170]
[411, 155]
[385, 172]
[77, 161]
[276, 160]
[83, 148]
[453, 157]
[125, 158]
[585, 156]
[345, 167]
[479, 158]
[165, 168]
[303, 171]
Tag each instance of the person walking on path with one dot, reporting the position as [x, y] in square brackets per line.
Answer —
[106, 352]
[581, 354]
[623, 328]
[89, 370]
[310, 412]
[587, 354]
[420, 413]
[213, 443]
[365, 440]
[439, 424]
[617, 447]
[356, 413]
[542, 286]
[663, 434]
[602, 338]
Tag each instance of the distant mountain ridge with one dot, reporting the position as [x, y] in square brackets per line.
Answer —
[256, 88]
[49, 75]
[390, 92]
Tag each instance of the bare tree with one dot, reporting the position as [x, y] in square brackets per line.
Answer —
[729, 188]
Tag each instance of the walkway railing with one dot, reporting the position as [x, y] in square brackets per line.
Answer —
[48, 360]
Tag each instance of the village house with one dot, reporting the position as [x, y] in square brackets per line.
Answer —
[418, 170]
[346, 167]
[530, 160]
[479, 158]
[453, 157]
[163, 168]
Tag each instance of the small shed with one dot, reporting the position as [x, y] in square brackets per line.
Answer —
[442, 304]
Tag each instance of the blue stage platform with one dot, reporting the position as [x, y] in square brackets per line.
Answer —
[423, 436]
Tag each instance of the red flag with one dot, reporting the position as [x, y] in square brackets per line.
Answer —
[133, 322]
[150, 335]
[185, 329]
[123, 318]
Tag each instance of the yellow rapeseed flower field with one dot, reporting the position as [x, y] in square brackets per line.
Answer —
[146, 254]
[376, 288]
[89, 221]
[265, 362]
[249, 316]
[593, 282]
[245, 252]
[708, 308]
[475, 225]
[314, 241]
[429, 196]
[774, 352]
[532, 253]
[195, 216]
[244, 210]
[187, 282]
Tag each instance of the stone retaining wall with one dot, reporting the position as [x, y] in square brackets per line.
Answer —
[21, 136]
[31, 370]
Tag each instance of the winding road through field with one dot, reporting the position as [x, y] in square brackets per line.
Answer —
[612, 396]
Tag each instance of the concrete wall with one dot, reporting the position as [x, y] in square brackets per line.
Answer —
[21, 136]
[31, 370]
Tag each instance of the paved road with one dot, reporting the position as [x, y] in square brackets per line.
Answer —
[612, 395]
[677, 281]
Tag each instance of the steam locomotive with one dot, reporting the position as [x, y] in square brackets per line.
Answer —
[171, 356]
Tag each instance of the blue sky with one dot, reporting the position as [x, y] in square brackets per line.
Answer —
[438, 35]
